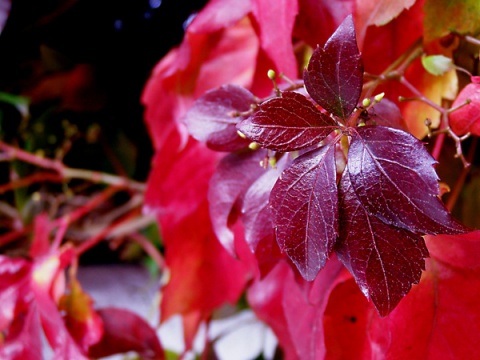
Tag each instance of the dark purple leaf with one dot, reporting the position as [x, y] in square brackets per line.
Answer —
[233, 176]
[287, 123]
[385, 260]
[256, 212]
[334, 76]
[393, 176]
[387, 113]
[213, 117]
[305, 210]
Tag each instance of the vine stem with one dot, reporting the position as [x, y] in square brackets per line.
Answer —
[13, 153]
[149, 248]
[452, 199]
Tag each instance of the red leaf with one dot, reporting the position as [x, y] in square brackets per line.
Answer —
[328, 13]
[275, 20]
[334, 76]
[372, 12]
[305, 206]
[467, 118]
[234, 174]
[393, 176]
[384, 260]
[126, 331]
[294, 308]
[213, 117]
[443, 307]
[203, 275]
[345, 323]
[287, 123]
[19, 321]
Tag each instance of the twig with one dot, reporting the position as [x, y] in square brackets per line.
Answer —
[13, 153]
[149, 248]
[452, 199]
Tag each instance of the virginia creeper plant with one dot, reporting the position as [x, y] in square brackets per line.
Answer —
[352, 186]
[297, 146]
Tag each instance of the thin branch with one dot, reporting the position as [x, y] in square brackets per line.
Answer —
[150, 249]
[13, 153]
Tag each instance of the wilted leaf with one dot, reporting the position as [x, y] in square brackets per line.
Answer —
[393, 176]
[287, 123]
[467, 118]
[213, 117]
[305, 210]
[334, 76]
[385, 260]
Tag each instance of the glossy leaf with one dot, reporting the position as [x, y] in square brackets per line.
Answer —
[387, 113]
[385, 260]
[232, 178]
[393, 176]
[334, 76]
[305, 210]
[213, 117]
[287, 123]
[467, 117]
[126, 331]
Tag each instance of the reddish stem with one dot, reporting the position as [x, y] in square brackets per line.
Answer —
[150, 249]
[29, 180]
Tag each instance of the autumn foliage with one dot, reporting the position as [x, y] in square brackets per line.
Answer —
[300, 155]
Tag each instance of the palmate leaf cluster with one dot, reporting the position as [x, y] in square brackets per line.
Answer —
[365, 191]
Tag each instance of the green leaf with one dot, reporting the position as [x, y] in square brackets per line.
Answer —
[437, 64]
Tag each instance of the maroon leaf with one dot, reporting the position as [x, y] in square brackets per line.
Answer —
[213, 117]
[256, 212]
[387, 113]
[393, 176]
[234, 174]
[385, 260]
[305, 205]
[287, 123]
[334, 76]
[126, 331]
